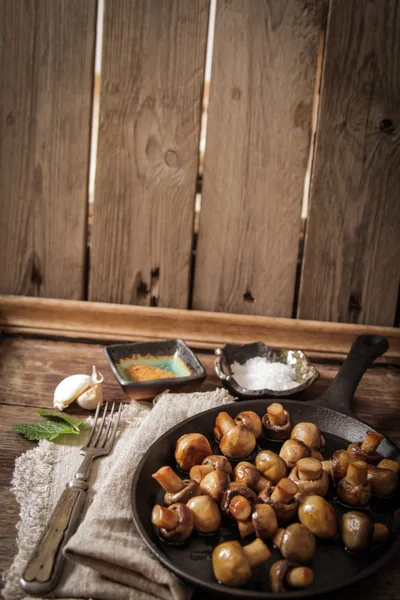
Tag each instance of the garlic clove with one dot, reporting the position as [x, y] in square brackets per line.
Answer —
[69, 389]
[96, 378]
[91, 397]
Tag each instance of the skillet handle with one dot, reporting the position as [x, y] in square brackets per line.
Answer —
[363, 352]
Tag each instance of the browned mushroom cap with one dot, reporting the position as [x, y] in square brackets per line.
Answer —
[381, 533]
[191, 449]
[309, 477]
[239, 507]
[176, 489]
[383, 481]
[282, 499]
[354, 489]
[264, 521]
[356, 530]
[237, 441]
[367, 450]
[308, 433]
[206, 515]
[214, 484]
[272, 466]
[198, 472]
[277, 422]
[175, 522]
[319, 516]
[218, 462]
[251, 420]
[297, 543]
[338, 465]
[387, 463]
[232, 563]
[247, 473]
[283, 572]
[292, 451]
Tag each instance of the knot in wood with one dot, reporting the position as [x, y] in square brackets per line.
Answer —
[386, 126]
[171, 158]
[236, 93]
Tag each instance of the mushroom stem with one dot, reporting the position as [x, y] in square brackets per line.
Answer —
[327, 466]
[256, 552]
[380, 534]
[168, 480]
[276, 414]
[371, 442]
[240, 508]
[224, 422]
[164, 517]
[299, 577]
[284, 491]
[309, 469]
[245, 528]
[357, 473]
[277, 538]
[198, 472]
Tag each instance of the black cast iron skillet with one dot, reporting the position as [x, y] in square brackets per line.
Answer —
[333, 566]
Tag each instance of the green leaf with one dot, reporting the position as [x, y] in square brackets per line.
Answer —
[49, 430]
[75, 423]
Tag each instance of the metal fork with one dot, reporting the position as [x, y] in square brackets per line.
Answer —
[44, 568]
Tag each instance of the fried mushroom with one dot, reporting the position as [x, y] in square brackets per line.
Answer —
[251, 420]
[263, 522]
[319, 516]
[238, 501]
[214, 484]
[383, 481]
[176, 489]
[284, 572]
[191, 449]
[277, 422]
[354, 489]
[232, 563]
[272, 466]
[175, 522]
[367, 450]
[308, 433]
[309, 477]
[206, 515]
[282, 499]
[237, 441]
[356, 531]
[293, 450]
[246, 472]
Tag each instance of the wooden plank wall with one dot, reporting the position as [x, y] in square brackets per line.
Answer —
[264, 66]
[351, 269]
[150, 111]
[46, 66]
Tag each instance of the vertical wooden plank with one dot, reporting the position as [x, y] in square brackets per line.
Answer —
[258, 135]
[150, 108]
[46, 66]
[352, 257]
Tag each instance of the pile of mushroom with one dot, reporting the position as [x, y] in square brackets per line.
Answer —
[276, 498]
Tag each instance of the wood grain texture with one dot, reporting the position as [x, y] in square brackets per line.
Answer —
[258, 135]
[150, 109]
[46, 65]
[18, 403]
[200, 329]
[351, 269]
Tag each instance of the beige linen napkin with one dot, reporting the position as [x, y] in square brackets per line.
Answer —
[109, 560]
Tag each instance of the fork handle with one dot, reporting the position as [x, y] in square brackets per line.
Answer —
[44, 568]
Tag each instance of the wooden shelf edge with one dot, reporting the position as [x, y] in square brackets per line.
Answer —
[206, 330]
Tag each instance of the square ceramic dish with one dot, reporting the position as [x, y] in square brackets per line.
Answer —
[306, 374]
[170, 355]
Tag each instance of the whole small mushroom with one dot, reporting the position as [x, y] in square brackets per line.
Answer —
[282, 499]
[191, 449]
[237, 441]
[277, 422]
[309, 477]
[247, 473]
[380, 534]
[206, 515]
[263, 522]
[238, 501]
[251, 420]
[232, 563]
[210, 463]
[297, 543]
[338, 465]
[175, 522]
[354, 489]
[284, 572]
[272, 466]
[319, 516]
[308, 433]
[214, 484]
[176, 489]
[383, 481]
[367, 450]
[293, 450]
[356, 531]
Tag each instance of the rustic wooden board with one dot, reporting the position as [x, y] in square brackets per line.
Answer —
[16, 405]
[258, 136]
[351, 268]
[46, 65]
[150, 109]
[115, 322]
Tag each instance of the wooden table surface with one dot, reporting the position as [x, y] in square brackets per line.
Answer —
[30, 369]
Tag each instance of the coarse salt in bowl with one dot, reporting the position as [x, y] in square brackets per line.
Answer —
[257, 370]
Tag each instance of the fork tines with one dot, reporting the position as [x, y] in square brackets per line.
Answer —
[106, 430]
